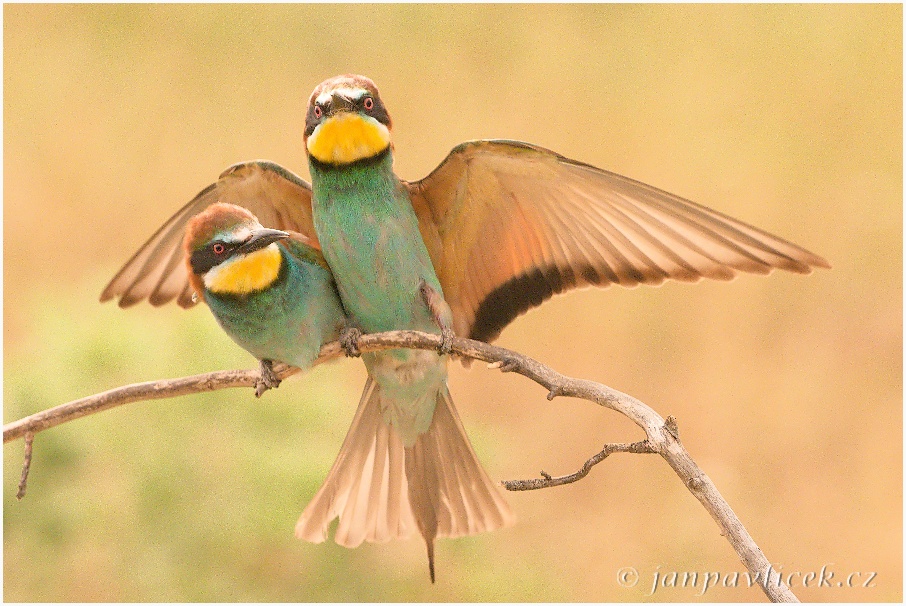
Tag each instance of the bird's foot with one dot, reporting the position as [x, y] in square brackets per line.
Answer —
[349, 340]
[268, 379]
[440, 313]
[446, 342]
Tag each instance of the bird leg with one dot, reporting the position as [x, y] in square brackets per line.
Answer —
[349, 339]
[268, 378]
[437, 306]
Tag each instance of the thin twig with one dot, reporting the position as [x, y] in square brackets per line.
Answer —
[26, 466]
[662, 436]
[548, 481]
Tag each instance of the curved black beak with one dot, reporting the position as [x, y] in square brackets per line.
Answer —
[259, 239]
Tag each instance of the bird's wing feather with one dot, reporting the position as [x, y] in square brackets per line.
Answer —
[509, 224]
[280, 200]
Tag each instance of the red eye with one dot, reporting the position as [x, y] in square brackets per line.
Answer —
[369, 103]
[318, 111]
[219, 248]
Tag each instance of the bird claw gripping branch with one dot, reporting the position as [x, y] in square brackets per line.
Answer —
[268, 380]
[435, 303]
[349, 340]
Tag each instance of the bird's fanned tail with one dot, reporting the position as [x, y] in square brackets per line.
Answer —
[450, 493]
[381, 489]
[366, 487]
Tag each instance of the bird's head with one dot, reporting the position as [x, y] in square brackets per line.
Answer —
[229, 252]
[346, 121]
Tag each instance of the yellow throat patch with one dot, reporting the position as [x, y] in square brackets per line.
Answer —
[347, 137]
[247, 273]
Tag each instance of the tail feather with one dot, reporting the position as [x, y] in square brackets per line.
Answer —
[381, 489]
[464, 499]
[366, 487]
[450, 493]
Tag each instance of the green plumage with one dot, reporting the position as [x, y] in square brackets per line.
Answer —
[290, 320]
[369, 235]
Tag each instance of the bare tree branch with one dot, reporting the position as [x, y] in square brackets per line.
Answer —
[151, 390]
[547, 481]
[26, 465]
[662, 437]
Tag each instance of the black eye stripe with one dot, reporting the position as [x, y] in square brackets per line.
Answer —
[203, 259]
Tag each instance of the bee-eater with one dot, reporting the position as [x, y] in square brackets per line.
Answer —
[495, 230]
[271, 291]
[370, 237]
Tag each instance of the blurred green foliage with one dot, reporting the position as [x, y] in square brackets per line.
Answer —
[788, 390]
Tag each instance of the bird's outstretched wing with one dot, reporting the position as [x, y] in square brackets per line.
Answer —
[509, 224]
[278, 198]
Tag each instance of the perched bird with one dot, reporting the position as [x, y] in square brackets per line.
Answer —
[496, 229]
[370, 237]
[271, 291]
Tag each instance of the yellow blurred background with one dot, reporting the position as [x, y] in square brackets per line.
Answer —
[787, 389]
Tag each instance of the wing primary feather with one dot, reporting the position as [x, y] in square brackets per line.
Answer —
[577, 255]
[697, 215]
[172, 280]
[705, 235]
[540, 223]
[275, 195]
[619, 269]
[187, 297]
[129, 280]
[632, 241]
